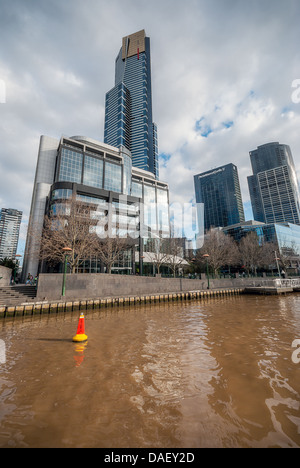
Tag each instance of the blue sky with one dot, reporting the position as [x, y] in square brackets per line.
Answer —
[222, 74]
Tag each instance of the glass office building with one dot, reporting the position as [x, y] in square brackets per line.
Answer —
[285, 236]
[219, 191]
[273, 187]
[103, 178]
[128, 105]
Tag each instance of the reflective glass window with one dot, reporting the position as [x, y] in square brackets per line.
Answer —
[93, 172]
[70, 166]
[113, 177]
[137, 190]
[150, 207]
[61, 194]
[162, 210]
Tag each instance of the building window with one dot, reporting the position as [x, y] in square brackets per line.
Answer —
[61, 194]
[113, 177]
[150, 207]
[70, 166]
[93, 172]
[163, 210]
[137, 190]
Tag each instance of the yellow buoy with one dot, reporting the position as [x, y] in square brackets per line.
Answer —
[80, 335]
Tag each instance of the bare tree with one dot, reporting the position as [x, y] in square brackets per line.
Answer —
[250, 252]
[175, 258]
[220, 248]
[255, 254]
[69, 225]
[110, 250]
[158, 248]
[268, 255]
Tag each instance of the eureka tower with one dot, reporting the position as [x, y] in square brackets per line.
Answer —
[128, 106]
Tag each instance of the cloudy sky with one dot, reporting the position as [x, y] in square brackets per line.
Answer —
[222, 76]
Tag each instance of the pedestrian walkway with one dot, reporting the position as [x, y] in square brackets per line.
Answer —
[12, 295]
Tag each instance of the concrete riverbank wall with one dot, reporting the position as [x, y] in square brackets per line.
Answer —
[5, 275]
[95, 291]
[51, 307]
[90, 286]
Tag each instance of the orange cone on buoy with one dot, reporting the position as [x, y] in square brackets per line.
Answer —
[80, 336]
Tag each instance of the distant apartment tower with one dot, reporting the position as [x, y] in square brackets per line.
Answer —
[128, 105]
[219, 191]
[10, 221]
[273, 187]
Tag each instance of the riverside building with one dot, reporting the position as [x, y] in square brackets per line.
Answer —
[219, 191]
[273, 187]
[128, 105]
[103, 177]
[285, 236]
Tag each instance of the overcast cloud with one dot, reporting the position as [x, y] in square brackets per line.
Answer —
[222, 74]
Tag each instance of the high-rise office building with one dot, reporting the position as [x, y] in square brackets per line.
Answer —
[273, 187]
[10, 221]
[128, 105]
[219, 191]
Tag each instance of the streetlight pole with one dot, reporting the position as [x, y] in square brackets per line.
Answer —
[206, 256]
[276, 258]
[65, 250]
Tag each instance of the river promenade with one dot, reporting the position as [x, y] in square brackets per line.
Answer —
[89, 291]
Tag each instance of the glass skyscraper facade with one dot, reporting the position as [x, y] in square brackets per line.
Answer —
[273, 187]
[219, 191]
[128, 105]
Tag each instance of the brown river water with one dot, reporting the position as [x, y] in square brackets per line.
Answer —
[217, 373]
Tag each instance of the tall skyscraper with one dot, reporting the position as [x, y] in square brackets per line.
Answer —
[10, 221]
[273, 187]
[219, 191]
[128, 105]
